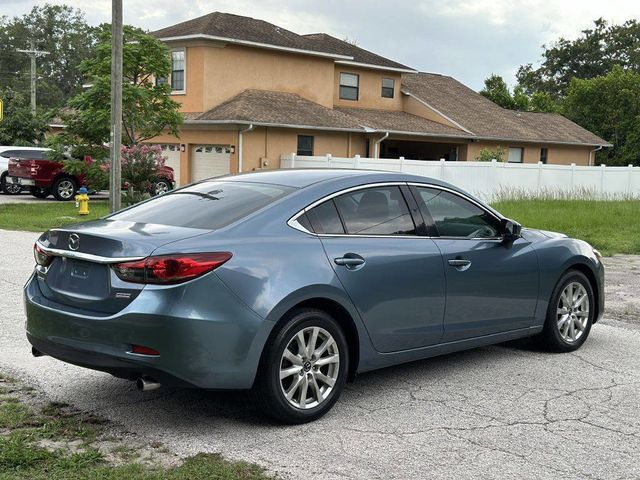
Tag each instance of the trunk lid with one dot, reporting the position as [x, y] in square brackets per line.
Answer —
[80, 274]
[20, 168]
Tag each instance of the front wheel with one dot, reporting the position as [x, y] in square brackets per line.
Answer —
[161, 186]
[64, 188]
[304, 368]
[9, 188]
[570, 313]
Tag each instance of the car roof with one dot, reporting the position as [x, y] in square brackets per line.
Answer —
[18, 147]
[304, 177]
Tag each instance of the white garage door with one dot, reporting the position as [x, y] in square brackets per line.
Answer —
[171, 152]
[209, 161]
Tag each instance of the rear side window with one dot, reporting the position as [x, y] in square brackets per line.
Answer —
[325, 219]
[208, 205]
[375, 211]
[11, 154]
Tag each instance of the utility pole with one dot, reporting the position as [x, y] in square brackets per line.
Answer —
[116, 104]
[33, 53]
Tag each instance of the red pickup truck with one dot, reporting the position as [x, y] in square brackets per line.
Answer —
[44, 177]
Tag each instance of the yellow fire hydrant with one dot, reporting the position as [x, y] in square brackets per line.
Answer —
[82, 201]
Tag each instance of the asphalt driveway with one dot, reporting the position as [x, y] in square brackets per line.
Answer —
[506, 411]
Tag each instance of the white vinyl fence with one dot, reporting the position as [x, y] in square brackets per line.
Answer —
[491, 180]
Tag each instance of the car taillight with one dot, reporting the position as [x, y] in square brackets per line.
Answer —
[42, 258]
[170, 269]
[33, 167]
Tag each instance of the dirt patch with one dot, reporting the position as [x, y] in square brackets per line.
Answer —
[622, 288]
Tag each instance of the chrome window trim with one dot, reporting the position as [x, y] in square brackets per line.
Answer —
[293, 221]
[86, 256]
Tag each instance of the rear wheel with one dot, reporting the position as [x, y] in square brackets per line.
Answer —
[570, 313]
[161, 186]
[64, 188]
[9, 188]
[304, 368]
[39, 192]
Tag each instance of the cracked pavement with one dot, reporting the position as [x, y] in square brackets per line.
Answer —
[506, 411]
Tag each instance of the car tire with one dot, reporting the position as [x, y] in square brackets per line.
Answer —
[9, 188]
[161, 186]
[39, 192]
[570, 313]
[64, 189]
[318, 376]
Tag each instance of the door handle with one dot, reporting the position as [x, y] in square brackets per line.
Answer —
[350, 260]
[461, 264]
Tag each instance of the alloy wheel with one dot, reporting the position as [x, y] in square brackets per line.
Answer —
[161, 187]
[573, 312]
[309, 367]
[66, 189]
[12, 188]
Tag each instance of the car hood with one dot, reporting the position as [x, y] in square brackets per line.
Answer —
[534, 235]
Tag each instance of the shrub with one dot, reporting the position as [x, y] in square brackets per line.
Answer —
[141, 164]
[487, 154]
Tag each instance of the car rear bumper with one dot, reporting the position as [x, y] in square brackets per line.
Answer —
[210, 341]
[25, 182]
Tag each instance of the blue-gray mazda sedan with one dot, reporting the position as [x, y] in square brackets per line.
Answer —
[292, 282]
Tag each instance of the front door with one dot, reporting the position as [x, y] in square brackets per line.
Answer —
[492, 286]
[394, 278]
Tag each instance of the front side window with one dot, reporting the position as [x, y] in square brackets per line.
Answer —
[177, 70]
[305, 145]
[515, 155]
[375, 211]
[454, 216]
[388, 85]
[349, 86]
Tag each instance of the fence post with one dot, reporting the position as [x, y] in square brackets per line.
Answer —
[402, 164]
[329, 160]
[539, 186]
[494, 168]
[442, 168]
[602, 173]
[629, 183]
[357, 157]
[573, 174]
[293, 160]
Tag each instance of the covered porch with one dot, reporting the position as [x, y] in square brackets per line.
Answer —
[423, 149]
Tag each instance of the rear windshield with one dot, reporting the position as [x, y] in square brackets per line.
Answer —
[208, 205]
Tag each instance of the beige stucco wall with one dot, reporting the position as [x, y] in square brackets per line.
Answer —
[216, 72]
[370, 89]
[557, 154]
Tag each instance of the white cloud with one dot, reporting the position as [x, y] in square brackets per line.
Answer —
[468, 39]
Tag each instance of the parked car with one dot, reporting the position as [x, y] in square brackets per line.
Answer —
[7, 152]
[45, 177]
[291, 282]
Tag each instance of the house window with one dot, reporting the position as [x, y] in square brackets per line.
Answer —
[349, 86]
[515, 155]
[544, 152]
[388, 85]
[177, 71]
[305, 145]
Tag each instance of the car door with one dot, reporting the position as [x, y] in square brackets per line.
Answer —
[394, 277]
[492, 285]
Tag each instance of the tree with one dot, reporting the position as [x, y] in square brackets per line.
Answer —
[591, 55]
[59, 30]
[19, 126]
[609, 105]
[496, 90]
[147, 108]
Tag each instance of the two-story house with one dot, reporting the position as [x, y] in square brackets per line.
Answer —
[252, 91]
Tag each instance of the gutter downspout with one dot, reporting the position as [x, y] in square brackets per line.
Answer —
[377, 143]
[591, 154]
[240, 132]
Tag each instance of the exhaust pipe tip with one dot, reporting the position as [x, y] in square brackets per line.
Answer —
[37, 353]
[147, 384]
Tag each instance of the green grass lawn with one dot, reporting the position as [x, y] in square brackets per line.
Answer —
[38, 217]
[56, 442]
[610, 226]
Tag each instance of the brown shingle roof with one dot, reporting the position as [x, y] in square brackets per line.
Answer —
[277, 108]
[392, 121]
[328, 43]
[237, 27]
[486, 119]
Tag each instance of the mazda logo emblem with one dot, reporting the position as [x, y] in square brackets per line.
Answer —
[74, 241]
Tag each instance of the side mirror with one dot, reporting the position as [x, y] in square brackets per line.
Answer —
[511, 229]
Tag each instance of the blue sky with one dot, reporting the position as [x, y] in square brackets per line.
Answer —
[466, 39]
